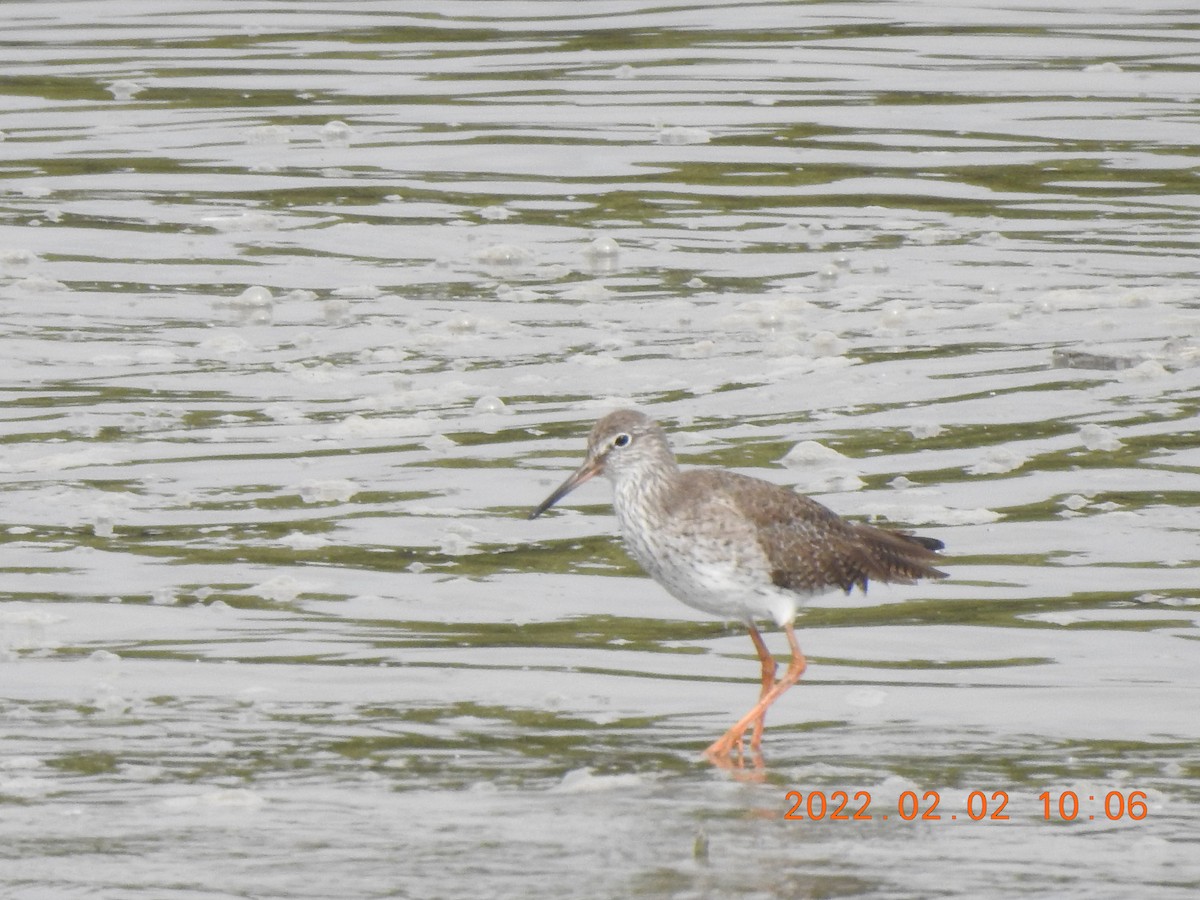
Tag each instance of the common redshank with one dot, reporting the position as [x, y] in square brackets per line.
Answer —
[737, 547]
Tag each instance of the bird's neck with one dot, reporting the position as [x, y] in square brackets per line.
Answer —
[644, 488]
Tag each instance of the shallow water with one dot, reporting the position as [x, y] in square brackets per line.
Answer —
[305, 307]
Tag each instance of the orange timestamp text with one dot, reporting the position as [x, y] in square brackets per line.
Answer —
[993, 806]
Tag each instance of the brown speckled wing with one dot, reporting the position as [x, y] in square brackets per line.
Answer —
[810, 548]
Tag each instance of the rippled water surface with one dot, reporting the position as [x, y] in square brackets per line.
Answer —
[306, 304]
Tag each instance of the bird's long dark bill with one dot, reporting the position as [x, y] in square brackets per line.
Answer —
[588, 470]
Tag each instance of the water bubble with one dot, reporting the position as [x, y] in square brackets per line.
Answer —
[769, 319]
[462, 324]
[335, 132]
[253, 297]
[504, 255]
[826, 343]
[894, 314]
[490, 404]
[603, 247]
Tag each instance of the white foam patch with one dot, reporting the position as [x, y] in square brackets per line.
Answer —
[810, 453]
[585, 781]
[357, 426]
[337, 490]
[997, 461]
[1098, 437]
[280, 589]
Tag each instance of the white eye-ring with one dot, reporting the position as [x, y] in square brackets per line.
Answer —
[622, 440]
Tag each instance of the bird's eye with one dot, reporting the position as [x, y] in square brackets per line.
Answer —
[621, 440]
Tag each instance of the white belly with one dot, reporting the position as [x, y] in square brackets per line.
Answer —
[727, 579]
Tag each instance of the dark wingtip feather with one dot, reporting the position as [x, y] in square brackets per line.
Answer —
[897, 556]
[927, 542]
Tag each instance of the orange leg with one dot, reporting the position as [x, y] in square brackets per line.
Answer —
[722, 746]
[769, 667]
